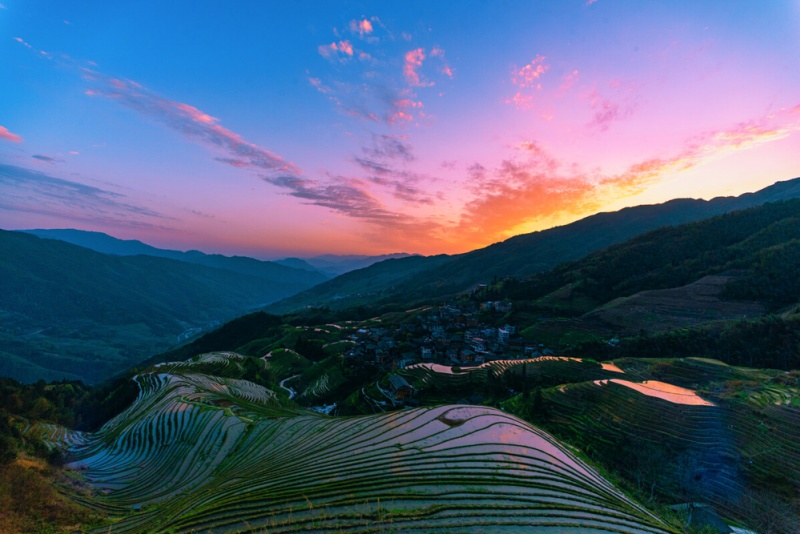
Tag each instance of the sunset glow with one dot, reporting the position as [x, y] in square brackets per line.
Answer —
[273, 129]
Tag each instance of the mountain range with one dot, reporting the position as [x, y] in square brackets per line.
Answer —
[410, 280]
[329, 265]
[65, 305]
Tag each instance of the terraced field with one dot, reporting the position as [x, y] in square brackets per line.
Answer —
[443, 384]
[738, 456]
[197, 453]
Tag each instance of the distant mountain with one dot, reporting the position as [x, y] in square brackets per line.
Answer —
[335, 265]
[523, 255]
[363, 286]
[298, 263]
[69, 312]
[107, 244]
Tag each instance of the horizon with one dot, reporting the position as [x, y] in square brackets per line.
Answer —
[346, 255]
[276, 130]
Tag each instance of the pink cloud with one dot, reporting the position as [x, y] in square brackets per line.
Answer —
[399, 117]
[521, 100]
[529, 75]
[568, 80]
[319, 86]
[527, 79]
[188, 120]
[438, 52]
[334, 49]
[9, 136]
[361, 27]
[413, 62]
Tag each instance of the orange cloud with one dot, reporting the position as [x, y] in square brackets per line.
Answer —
[9, 136]
[533, 187]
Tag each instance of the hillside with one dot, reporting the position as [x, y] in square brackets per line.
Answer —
[294, 276]
[69, 312]
[197, 452]
[731, 267]
[526, 254]
[197, 449]
[360, 287]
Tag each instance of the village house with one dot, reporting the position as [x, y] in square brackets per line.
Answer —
[400, 387]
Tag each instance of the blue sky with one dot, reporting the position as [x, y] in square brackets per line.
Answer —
[298, 128]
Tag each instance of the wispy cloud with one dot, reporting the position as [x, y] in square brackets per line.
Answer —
[29, 191]
[607, 110]
[389, 147]
[386, 165]
[191, 122]
[47, 159]
[9, 136]
[343, 195]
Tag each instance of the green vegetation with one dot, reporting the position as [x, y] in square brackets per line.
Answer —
[69, 312]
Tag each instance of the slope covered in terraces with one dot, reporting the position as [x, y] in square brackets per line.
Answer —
[200, 453]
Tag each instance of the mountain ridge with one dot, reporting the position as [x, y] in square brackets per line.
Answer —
[527, 254]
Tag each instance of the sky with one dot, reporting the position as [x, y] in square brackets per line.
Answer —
[275, 129]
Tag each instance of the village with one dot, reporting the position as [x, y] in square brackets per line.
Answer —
[452, 334]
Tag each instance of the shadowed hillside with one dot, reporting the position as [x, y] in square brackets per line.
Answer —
[69, 312]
